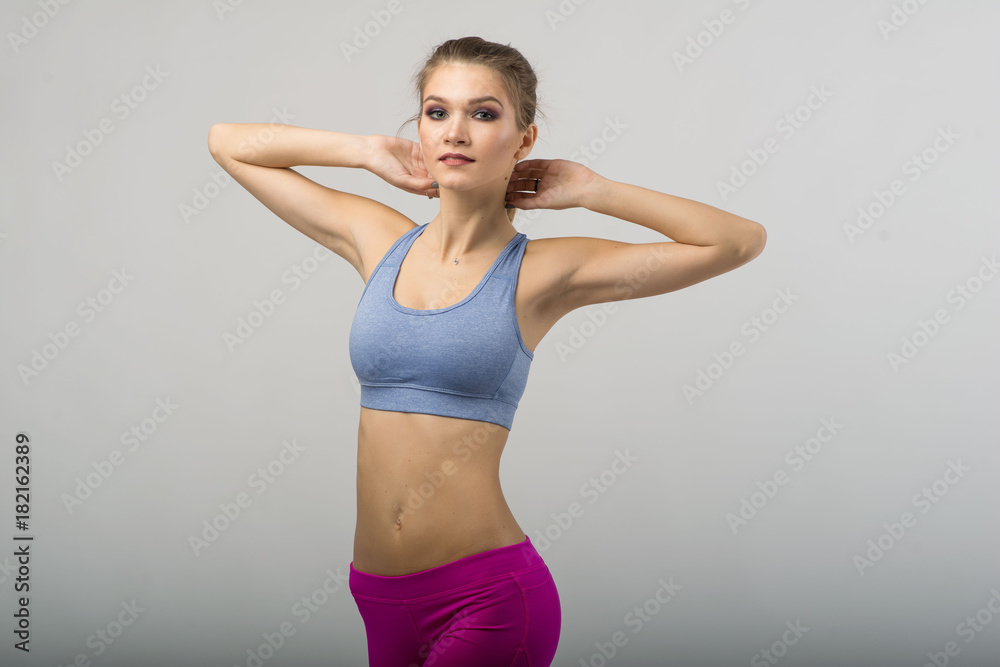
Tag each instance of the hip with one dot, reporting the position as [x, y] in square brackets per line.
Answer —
[432, 539]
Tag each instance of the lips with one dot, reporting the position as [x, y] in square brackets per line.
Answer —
[456, 156]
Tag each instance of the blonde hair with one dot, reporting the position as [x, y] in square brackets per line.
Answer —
[514, 71]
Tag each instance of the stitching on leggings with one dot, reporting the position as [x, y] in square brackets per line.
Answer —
[527, 625]
[544, 582]
[413, 624]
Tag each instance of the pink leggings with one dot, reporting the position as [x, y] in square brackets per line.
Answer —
[497, 608]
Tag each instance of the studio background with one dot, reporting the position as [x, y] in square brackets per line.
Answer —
[811, 439]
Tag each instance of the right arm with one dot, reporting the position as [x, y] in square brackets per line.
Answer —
[259, 156]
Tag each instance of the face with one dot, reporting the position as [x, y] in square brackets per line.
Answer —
[484, 130]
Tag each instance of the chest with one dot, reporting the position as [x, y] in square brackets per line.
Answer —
[425, 287]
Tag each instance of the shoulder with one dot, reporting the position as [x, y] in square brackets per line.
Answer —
[577, 271]
[548, 267]
[560, 258]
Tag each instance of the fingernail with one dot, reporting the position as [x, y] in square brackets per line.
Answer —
[434, 184]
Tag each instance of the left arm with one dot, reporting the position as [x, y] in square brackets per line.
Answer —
[683, 220]
[707, 241]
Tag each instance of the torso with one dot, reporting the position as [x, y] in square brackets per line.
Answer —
[429, 486]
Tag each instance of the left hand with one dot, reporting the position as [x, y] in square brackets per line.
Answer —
[561, 184]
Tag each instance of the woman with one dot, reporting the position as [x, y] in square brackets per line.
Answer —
[446, 329]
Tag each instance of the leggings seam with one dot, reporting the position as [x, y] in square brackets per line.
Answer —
[413, 624]
[527, 626]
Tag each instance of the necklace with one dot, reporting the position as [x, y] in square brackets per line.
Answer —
[456, 259]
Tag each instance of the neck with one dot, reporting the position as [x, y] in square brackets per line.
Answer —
[470, 222]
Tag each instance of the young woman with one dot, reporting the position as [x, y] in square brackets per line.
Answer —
[446, 329]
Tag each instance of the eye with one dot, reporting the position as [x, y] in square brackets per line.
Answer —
[489, 115]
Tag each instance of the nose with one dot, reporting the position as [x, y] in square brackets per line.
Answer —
[456, 132]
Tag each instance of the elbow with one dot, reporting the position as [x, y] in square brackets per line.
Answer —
[216, 140]
[744, 247]
[754, 242]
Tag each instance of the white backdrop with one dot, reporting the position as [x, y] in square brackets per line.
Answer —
[812, 438]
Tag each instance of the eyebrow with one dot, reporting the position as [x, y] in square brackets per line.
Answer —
[474, 100]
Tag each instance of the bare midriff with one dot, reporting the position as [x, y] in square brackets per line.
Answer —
[428, 492]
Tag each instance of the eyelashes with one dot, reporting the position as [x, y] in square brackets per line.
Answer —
[430, 114]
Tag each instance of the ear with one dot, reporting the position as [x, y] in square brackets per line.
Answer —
[527, 142]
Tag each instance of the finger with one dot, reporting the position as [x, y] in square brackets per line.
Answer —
[534, 163]
[528, 172]
[418, 183]
[521, 179]
[415, 185]
[526, 182]
[524, 185]
[523, 200]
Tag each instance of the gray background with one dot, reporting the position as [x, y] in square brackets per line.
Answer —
[143, 201]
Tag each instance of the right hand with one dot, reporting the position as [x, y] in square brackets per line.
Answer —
[399, 162]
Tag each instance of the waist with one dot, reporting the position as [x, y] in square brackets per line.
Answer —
[428, 491]
[473, 568]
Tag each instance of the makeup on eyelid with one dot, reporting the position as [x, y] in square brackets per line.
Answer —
[491, 113]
